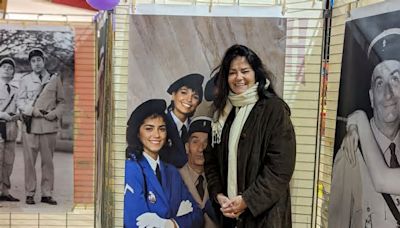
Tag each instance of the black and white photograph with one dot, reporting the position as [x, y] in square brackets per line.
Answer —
[36, 108]
[365, 191]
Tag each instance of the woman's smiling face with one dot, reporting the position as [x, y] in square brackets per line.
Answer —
[153, 134]
[241, 75]
[185, 100]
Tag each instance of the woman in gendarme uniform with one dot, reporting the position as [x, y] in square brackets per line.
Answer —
[155, 194]
[186, 95]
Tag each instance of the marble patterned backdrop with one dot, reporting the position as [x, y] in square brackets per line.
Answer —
[165, 48]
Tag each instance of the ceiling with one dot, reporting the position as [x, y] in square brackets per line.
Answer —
[46, 10]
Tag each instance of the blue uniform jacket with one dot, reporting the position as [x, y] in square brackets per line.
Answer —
[168, 196]
[176, 153]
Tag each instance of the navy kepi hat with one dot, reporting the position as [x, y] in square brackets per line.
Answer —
[192, 81]
[200, 124]
[36, 52]
[144, 110]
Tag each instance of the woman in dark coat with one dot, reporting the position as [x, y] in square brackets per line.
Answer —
[253, 156]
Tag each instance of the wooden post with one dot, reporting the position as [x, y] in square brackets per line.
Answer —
[3, 8]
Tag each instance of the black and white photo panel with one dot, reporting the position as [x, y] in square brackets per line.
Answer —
[37, 63]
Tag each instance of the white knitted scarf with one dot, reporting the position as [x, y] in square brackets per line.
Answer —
[243, 104]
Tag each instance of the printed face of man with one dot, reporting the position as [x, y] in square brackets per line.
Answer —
[195, 146]
[185, 100]
[153, 134]
[6, 70]
[37, 64]
[385, 92]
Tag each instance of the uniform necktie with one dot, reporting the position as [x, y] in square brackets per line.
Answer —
[394, 163]
[199, 186]
[184, 134]
[40, 77]
[8, 88]
[158, 174]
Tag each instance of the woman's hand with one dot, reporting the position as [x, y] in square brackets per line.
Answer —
[231, 208]
[222, 199]
[351, 139]
[225, 204]
[350, 144]
[238, 205]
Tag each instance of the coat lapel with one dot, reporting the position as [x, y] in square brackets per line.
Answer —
[248, 134]
[174, 132]
[254, 113]
[190, 184]
[174, 154]
[248, 130]
[165, 180]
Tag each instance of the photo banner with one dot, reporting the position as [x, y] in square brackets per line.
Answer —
[171, 59]
[369, 99]
[49, 146]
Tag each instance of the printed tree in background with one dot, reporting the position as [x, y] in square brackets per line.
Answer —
[58, 47]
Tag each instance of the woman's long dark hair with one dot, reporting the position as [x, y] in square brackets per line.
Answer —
[135, 146]
[223, 72]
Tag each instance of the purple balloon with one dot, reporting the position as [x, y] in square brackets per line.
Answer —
[103, 4]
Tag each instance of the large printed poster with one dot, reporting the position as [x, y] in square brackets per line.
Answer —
[171, 57]
[37, 107]
[365, 190]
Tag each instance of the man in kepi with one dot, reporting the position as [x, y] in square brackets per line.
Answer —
[354, 200]
[193, 171]
[41, 101]
[8, 126]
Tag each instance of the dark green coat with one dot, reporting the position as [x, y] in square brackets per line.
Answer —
[266, 159]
